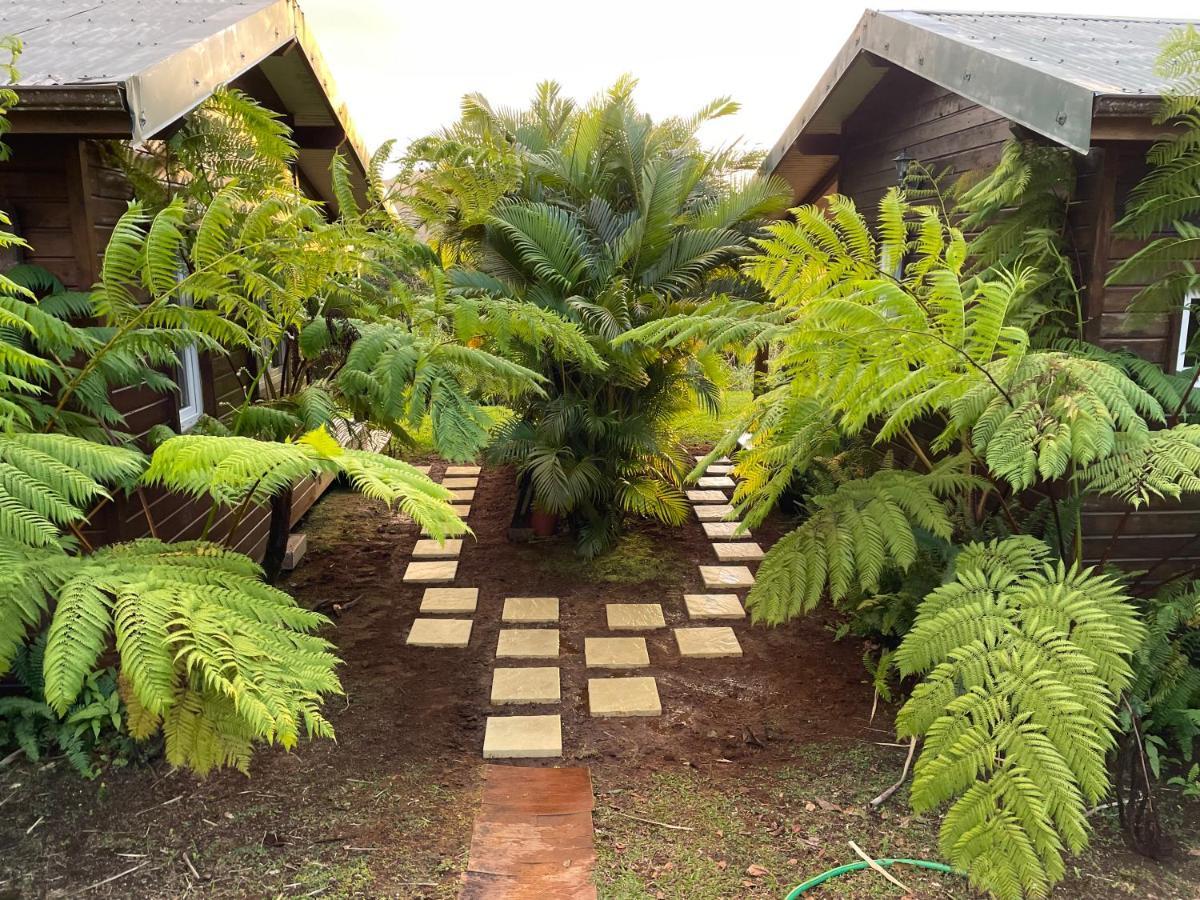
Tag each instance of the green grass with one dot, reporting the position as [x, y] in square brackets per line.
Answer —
[637, 558]
[697, 427]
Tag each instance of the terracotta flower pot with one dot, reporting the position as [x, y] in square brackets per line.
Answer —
[544, 523]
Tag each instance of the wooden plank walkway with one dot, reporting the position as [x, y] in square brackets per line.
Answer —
[533, 836]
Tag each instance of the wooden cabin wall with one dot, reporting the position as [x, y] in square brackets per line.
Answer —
[932, 124]
[65, 197]
[948, 132]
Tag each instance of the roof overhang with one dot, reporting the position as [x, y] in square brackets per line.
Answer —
[150, 102]
[1054, 107]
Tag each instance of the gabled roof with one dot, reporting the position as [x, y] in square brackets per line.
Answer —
[133, 68]
[1050, 73]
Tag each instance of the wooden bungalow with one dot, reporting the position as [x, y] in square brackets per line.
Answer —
[97, 70]
[949, 89]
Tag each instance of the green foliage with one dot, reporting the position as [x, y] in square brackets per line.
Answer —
[851, 537]
[577, 225]
[1165, 206]
[1023, 663]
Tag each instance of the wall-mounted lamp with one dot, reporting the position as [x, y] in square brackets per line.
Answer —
[902, 161]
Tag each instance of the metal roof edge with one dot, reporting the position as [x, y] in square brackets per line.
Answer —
[171, 88]
[1054, 107]
[316, 61]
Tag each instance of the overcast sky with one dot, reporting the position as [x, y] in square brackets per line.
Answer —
[402, 65]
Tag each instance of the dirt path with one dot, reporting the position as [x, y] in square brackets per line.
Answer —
[768, 759]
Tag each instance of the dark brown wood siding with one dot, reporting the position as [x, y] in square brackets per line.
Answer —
[65, 197]
[951, 134]
[943, 130]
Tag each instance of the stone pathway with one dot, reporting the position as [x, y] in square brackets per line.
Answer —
[514, 851]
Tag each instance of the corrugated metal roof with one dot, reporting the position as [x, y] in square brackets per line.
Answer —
[1050, 73]
[1104, 54]
[78, 42]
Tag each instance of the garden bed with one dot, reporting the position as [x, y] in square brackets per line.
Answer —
[762, 764]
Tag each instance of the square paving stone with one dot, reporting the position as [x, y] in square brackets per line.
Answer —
[746, 551]
[462, 494]
[718, 470]
[462, 510]
[714, 606]
[461, 470]
[724, 531]
[713, 513]
[530, 609]
[431, 549]
[714, 481]
[707, 497]
[615, 653]
[634, 616]
[537, 684]
[527, 643]
[450, 600]
[636, 696]
[431, 572]
[529, 737]
[440, 633]
[707, 643]
[456, 483]
[726, 576]
[724, 460]
[424, 470]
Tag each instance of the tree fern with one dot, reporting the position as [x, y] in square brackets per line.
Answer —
[1023, 662]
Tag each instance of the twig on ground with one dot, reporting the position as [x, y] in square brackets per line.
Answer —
[112, 878]
[38, 822]
[187, 859]
[652, 822]
[156, 806]
[4, 762]
[883, 798]
[880, 869]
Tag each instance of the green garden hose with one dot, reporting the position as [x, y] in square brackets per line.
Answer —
[858, 866]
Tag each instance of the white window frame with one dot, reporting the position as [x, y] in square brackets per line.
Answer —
[191, 389]
[1191, 304]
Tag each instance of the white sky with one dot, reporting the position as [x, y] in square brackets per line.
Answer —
[403, 65]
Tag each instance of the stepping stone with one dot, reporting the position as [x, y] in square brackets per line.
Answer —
[526, 737]
[718, 470]
[461, 510]
[430, 572]
[726, 576]
[462, 495]
[623, 697]
[530, 609]
[724, 460]
[461, 470]
[430, 549]
[707, 643]
[440, 633]
[710, 481]
[714, 606]
[424, 470]
[615, 653]
[713, 513]
[634, 616]
[537, 684]
[449, 600]
[527, 643]
[707, 497]
[743, 552]
[455, 483]
[724, 531]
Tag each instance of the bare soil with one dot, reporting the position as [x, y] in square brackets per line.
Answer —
[762, 764]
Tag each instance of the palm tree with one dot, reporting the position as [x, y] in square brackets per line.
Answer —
[601, 218]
